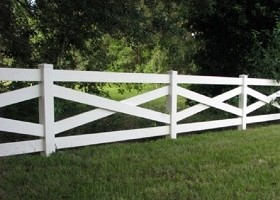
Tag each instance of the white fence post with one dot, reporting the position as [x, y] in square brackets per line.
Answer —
[46, 108]
[173, 103]
[243, 102]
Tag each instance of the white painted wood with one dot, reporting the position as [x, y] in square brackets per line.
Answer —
[109, 104]
[208, 101]
[12, 74]
[201, 107]
[107, 137]
[108, 77]
[16, 96]
[16, 148]
[263, 118]
[96, 114]
[188, 112]
[243, 101]
[173, 103]
[258, 95]
[200, 126]
[80, 119]
[48, 107]
[259, 104]
[208, 80]
[20, 127]
[255, 106]
[262, 82]
[48, 128]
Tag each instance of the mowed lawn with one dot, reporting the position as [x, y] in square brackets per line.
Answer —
[213, 165]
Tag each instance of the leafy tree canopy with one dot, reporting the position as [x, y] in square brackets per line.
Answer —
[50, 30]
[74, 34]
[231, 31]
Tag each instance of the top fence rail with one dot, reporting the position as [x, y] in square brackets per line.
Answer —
[108, 77]
[21, 74]
[208, 80]
[11, 74]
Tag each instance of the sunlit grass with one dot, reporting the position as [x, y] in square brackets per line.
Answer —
[214, 165]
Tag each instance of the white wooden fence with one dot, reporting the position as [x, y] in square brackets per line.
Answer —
[48, 129]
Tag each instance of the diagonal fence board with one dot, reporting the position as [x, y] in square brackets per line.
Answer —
[261, 103]
[258, 95]
[17, 148]
[96, 114]
[20, 127]
[16, 96]
[107, 137]
[254, 107]
[201, 107]
[209, 101]
[108, 104]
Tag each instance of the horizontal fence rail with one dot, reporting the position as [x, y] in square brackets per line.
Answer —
[108, 77]
[8, 74]
[43, 87]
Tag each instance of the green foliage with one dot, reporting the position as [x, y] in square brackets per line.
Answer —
[15, 31]
[205, 37]
[267, 56]
[226, 28]
[50, 31]
[236, 37]
[87, 34]
[135, 57]
[138, 35]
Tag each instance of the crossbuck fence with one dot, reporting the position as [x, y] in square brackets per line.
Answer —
[46, 90]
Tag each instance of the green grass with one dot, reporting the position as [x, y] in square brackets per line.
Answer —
[213, 165]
